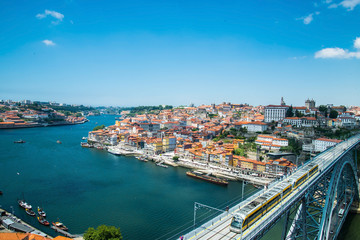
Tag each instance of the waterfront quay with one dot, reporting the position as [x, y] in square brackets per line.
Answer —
[218, 170]
[144, 200]
[10, 223]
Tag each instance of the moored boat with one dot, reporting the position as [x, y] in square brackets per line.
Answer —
[142, 158]
[19, 141]
[60, 225]
[208, 178]
[30, 212]
[162, 165]
[41, 212]
[24, 204]
[43, 221]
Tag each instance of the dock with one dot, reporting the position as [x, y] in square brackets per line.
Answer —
[65, 233]
[15, 224]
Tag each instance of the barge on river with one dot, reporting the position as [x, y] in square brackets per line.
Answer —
[207, 177]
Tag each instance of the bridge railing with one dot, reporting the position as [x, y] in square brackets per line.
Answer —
[281, 210]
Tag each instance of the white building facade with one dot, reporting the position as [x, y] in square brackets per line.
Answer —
[275, 113]
[322, 144]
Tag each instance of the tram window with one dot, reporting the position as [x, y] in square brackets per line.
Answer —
[286, 191]
[254, 215]
[236, 224]
[273, 201]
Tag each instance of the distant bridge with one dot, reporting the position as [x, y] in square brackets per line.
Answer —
[313, 201]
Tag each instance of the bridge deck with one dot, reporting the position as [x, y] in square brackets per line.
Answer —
[218, 228]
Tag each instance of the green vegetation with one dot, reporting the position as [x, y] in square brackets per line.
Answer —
[294, 146]
[333, 114]
[212, 115]
[4, 109]
[238, 134]
[146, 109]
[175, 158]
[340, 133]
[298, 114]
[99, 127]
[243, 149]
[103, 232]
[289, 112]
[323, 109]
[72, 109]
[34, 106]
[240, 152]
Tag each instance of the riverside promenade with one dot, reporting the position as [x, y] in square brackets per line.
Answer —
[11, 223]
[217, 170]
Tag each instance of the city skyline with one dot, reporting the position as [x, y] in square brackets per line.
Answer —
[139, 53]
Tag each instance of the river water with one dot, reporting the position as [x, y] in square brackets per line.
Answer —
[89, 187]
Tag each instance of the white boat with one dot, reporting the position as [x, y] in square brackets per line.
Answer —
[162, 165]
[24, 204]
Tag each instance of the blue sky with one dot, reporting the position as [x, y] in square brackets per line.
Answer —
[128, 53]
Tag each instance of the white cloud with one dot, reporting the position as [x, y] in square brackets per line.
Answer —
[48, 42]
[334, 5]
[340, 53]
[309, 18]
[298, 58]
[332, 53]
[357, 43]
[350, 4]
[53, 14]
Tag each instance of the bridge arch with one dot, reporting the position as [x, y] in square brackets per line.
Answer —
[343, 181]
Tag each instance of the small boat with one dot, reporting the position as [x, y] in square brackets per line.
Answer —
[161, 165]
[24, 204]
[142, 159]
[30, 212]
[58, 141]
[43, 221]
[19, 141]
[41, 212]
[60, 225]
[84, 138]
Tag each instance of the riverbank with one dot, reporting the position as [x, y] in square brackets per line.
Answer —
[36, 125]
[89, 187]
[11, 223]
[217, 170]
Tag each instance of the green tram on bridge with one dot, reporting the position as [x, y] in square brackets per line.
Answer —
[258, 207]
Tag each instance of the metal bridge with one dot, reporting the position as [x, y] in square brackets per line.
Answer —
[316, 209]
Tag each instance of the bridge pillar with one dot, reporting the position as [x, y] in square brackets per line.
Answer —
[285, 227]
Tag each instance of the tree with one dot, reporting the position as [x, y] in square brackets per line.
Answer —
[175, 158]
[298, 114]
[103, 232]
[323, 109]
[289, 112]
[333, 114]
[99, 127]
[239, 152]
